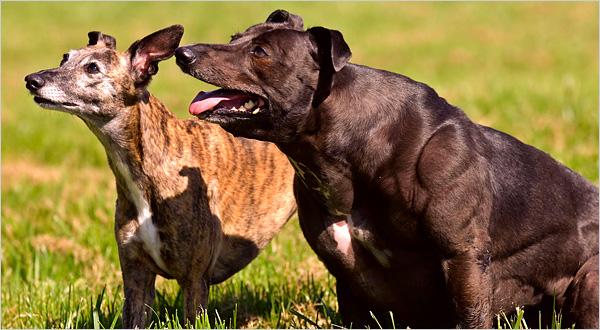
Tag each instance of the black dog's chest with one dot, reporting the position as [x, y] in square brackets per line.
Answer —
[368, 221]
[362, 255]
[329, 186]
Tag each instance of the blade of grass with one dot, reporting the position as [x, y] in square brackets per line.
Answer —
[305, 318]
[376, 320]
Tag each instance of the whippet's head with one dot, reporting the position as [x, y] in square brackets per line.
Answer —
[97, 81]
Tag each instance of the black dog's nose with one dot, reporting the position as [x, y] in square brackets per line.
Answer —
[184, 56]
[34, 81]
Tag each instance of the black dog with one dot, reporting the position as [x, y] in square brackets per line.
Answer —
[412, 207]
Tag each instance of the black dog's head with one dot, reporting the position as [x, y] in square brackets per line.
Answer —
[271, 76]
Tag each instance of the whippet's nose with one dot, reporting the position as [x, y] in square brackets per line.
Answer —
[34, 81]
[184, 56]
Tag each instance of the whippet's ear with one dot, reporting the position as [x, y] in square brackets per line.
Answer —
[282, 16]
[332, 51]
[147, 52]
[98, 38]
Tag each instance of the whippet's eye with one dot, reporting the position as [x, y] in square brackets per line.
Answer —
[92, 68]
[258, 51]
[64, 59]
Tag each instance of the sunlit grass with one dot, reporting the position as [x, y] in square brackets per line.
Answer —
[527, 69]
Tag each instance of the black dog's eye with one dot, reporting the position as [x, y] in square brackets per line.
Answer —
[259, 51]
[92, 68]
[64, 59]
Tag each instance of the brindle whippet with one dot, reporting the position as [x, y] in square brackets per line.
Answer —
[194, 203]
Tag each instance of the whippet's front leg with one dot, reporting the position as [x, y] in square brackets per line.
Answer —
[138, 284]
[195, 297]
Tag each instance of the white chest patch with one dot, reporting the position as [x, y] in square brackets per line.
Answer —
[341, 234]
[146, 232]
[367, 239]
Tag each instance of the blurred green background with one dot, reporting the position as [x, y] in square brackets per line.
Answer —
[529, 69]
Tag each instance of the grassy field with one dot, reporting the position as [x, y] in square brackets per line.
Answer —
[527, 69]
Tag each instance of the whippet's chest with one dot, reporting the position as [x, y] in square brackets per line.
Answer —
[142, 229]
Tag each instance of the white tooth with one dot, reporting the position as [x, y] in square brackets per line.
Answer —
[241, 108]
[256, 111]
[249, 105]
[233, 109]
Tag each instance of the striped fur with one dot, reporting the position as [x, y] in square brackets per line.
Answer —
[194, 203]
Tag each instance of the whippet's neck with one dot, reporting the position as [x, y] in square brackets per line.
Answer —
[123, 137]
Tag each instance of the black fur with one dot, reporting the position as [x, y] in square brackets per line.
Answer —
[448, 217]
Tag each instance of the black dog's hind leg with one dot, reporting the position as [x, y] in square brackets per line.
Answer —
[581, 303]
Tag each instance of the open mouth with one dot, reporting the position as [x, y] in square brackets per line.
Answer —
[51, 104]
[228, 103]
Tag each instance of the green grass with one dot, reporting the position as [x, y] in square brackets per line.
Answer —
[527, 69]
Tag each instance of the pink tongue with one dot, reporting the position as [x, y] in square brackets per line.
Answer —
[205, 101]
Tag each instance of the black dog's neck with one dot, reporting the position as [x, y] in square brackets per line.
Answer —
[305, 141]
[366, 123]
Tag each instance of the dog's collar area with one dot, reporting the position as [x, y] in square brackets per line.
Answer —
[323, 87]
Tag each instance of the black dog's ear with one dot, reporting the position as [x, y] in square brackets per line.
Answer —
[98, 38]
[147, 52]
[282, 16]
[333, 51]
